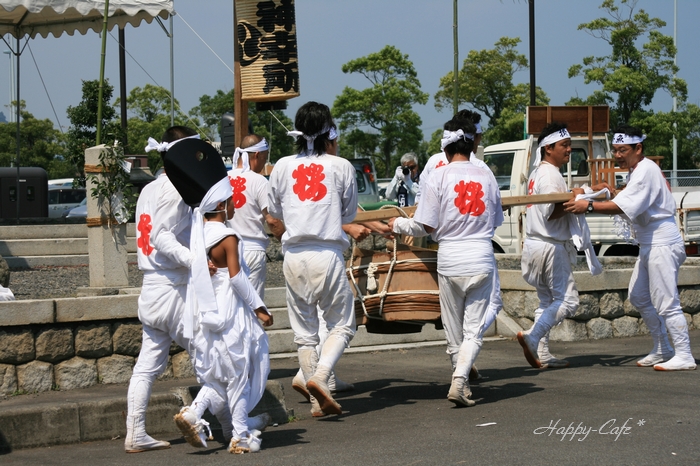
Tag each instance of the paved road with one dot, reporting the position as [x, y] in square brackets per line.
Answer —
[399, 415]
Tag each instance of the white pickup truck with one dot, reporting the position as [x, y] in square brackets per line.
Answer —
[590, 163]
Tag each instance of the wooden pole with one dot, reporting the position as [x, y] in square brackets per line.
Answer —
[388, 212]
[100, 92]
[240, 107]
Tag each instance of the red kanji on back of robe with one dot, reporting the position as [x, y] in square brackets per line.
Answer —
[308, 185]
[238, 186]
[144, 240]
[468, 199]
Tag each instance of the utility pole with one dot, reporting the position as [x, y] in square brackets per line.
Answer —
[533, 87]
[455, 80]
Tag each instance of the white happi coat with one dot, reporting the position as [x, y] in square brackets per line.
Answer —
[314, 196]
[463, 204]
[250, 199]
[648, 203]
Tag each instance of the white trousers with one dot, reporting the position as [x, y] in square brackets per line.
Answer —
[161, 304]
[496, 300]
[463, 304]
[547, 267]
[653, 288]
[317, 283]
[257, 263]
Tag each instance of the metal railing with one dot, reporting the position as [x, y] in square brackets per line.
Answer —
[683, 177]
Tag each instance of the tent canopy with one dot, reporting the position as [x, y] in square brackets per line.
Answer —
[44, 17]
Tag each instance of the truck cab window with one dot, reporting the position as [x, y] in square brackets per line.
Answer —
[501, 164]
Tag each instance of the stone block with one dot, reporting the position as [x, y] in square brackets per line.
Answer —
[688, 320]
[93, 341]
[76, 373]
[630, 310]
[182, 365]
[54, 345]
[519, 304]
[626, 326]
[37, 376]
[696, 320]
[611, 306]
[690, 300]
[97, 308]
[126, 338]
[588, 307]
[8, 379]
[599, 328]
[16, 346]
[26, 312]
[115, 369]
[524, 322]
[40, 426]
[569, 330]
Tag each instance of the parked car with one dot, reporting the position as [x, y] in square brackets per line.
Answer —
[77, 212]
[62, 199]
[366, 178]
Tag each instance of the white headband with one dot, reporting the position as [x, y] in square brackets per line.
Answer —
[548, 140]
[448, 137]
[333, 134]
[164, 146]
[243, 153]
[478, 128]
[622, 138]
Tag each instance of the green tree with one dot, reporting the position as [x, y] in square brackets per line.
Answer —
[149, 116]
[486, 84]
[385, 108]
[40, 145]
[631, 75]
[83, 118]
[212, 108]
[659, 130]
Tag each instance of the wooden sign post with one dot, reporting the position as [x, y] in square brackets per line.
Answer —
[266, 67]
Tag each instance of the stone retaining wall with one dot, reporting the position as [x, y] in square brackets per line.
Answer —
[37, 358]
[78, 342]
[600, 314]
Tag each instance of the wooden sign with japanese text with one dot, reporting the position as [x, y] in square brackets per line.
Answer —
[267, 50]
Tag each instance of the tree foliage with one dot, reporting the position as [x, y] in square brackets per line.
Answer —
[40, 145]
[486, 85]
[212, 108]
[631, 75]
[149, 116]
[659, 130]
[83, 118]
[383, 111]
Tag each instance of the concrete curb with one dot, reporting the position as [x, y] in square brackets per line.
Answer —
[100, 414]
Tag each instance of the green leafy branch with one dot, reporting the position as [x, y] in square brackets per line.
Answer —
[114, 186]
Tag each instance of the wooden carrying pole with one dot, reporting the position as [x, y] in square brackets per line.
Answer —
[388, 212]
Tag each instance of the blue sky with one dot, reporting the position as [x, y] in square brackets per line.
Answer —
[330, 33]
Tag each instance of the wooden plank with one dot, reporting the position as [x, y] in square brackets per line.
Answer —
[512, 201]
[507, 201]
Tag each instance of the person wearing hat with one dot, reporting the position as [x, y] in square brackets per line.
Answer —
[460, 207]
[547, 249]
[250, 200]
[315, 193]
[230, 347]
[163, 228]
[647, 206]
